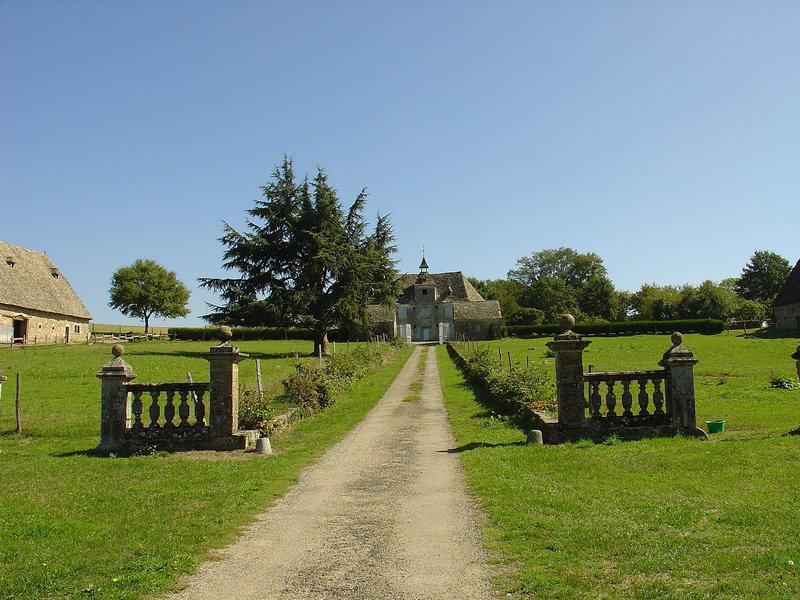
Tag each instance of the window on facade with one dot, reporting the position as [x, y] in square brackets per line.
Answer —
[424, 292]
[77, 329]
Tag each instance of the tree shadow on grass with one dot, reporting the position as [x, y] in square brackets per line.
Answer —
[770, 333]
[191, 354]
[477, 445]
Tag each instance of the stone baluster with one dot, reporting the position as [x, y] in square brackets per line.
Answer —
[627, 398]
[658, 398]
[136, 408]
[679, 363]
[611, 399]
[114, 400]
[183, 408]
[642, 398]
[224, 388]
[155, 409]
[169, 409]
[199, 409]
[594, 399]
[568, 348]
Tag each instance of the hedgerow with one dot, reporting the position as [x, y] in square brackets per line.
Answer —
[707, 326]
[315, 388]
[518, 389]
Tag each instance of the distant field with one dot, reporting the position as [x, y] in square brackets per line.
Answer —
[76, 525]
[108, 328]
[666, 518]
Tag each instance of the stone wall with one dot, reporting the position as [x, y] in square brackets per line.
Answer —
[43, 327]
[787, 316]
[478, 329]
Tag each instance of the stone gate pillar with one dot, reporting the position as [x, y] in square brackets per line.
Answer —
[114, 400]
[224, 388]
[679, 362]
[568, 347]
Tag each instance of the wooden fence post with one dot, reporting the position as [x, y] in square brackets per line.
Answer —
[16, 408]
[259, 383]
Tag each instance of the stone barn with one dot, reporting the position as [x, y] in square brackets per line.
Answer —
[429, 302]
[787, 303]
[37, 303]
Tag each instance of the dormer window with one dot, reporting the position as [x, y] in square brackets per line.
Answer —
[54, 272]
[10, 261]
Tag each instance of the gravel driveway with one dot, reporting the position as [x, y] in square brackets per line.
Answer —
[383, 514]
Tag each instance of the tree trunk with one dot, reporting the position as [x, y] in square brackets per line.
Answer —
[321, 341]
[146, 324]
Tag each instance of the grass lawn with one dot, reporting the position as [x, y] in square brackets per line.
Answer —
[75, 525]
[665, 518]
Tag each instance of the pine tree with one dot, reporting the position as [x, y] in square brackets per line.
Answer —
[304, 261]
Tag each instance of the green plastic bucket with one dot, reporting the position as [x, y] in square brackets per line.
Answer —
[716, 426]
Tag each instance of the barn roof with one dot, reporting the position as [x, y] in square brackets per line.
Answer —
[449, 286]
[790, 292]
[487, 309]
[28, 280]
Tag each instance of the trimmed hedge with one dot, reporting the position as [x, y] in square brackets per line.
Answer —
[519, 390]
[248, 333]
[707, 326]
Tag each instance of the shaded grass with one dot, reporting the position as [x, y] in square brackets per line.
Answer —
[74, 524]
[664, 518]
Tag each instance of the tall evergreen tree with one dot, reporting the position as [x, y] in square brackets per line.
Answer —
[304, 261]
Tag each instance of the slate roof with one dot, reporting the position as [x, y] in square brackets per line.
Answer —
[30, 284]
[449, 286]
[790, 292]
[486, 309]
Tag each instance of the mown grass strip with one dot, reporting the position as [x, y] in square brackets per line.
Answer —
[666, 518]
[72, 524]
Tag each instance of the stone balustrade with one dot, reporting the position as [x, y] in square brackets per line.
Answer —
[603, 389]
[173, 416]
[190, 400]
[628, 404]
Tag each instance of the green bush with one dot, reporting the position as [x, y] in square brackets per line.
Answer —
[707, 326]
[520, 386]
[526, 316]
[309, 387]
[783, 383]
[315, 388]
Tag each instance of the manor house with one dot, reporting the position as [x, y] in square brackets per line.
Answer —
[432, 302]
[37, 303]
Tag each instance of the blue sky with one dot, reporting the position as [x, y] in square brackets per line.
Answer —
[665, 136]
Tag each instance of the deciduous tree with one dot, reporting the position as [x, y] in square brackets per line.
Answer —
[146, 289]
[763, 276]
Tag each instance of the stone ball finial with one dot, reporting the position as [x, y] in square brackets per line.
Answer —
[225, 333]
[567, 322]
[677, 338]
[117, 350]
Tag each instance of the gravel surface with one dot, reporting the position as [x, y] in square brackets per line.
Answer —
[383, 514]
